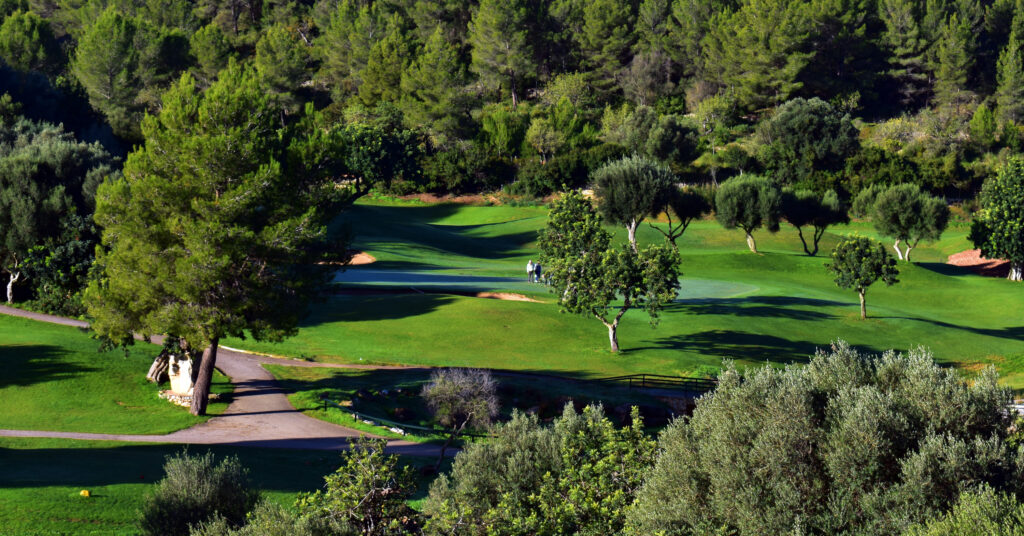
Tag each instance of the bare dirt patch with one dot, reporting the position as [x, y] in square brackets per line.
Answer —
[360, 258]
[973, 260]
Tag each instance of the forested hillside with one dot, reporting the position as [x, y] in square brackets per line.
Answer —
[530, 95]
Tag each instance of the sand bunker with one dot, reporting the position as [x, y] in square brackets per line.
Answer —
[360, 258]
[510, 296]
[972, 259]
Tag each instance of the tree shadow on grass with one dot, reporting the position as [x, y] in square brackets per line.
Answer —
[942, 268]
[740, 345]
[97, 465]
[356, 308]
[759, 306]
[37, 363]
[1011, 333]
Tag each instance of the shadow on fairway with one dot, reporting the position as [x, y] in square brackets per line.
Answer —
[942, 268]
[273, 469]
[740, 345]
[37, 363]
[1011, 333]
[760, 306]
[357, 308]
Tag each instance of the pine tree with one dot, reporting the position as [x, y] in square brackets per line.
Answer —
[281, 64]
[434, 91]
[382, 78]
[607, 40]
[344, 47]
[27, 43]
[760, 50]
[217, 226]
[689, 24]
[1010, 74]
[211, 50]
[106, 63]
[907, 46]
[502, 46]
[954, 61]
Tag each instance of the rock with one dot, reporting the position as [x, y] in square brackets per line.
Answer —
[180, 373]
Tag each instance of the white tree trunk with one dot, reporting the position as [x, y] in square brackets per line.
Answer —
[613, 338]
[751, 243]
[631, 232]
[1015, 272]
[906, 253]
[15, 276]
[899, 252]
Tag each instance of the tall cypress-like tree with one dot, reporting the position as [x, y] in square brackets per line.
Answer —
[344, 47]
[281, 64]
[382, 78]
[503, 55]
[218, 224]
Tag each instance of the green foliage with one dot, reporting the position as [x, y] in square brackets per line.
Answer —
[998, 229]
[266, 519]
[434, 92]
[982, 511]
[502, 47]
[461, 398]
[211, 49]
[1010, 75]
[749, 203]
[606, 40]
[195, 490]
[905, 38]
[503, 129]
[907, 214]
[874, 166]
[983, 128]
[631, 189]
[849, 444]
[280, 62]
[588, 275]
[576, 476]
[759, 50]
[388, 59]
[858, 262]
[232, 248]
[804, 207]
[47, 183]
[366, 495]
[27, 43]
[805, 141]
[954, 61]
[685, 205]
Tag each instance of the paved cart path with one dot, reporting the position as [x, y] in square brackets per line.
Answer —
[259, 413]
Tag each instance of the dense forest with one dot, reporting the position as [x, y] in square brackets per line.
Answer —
[528, 95]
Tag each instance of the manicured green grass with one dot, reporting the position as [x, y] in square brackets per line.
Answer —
[40, 481]
[53, 378]
[395, 395]
[776, 307]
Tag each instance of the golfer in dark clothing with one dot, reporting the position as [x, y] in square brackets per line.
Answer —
[536, 273]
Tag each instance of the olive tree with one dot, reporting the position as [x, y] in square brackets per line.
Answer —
[629, 189]
[588, 274]
[848, 444]
[858, 262]
[804, 207]
[461, 398]
[576, 476]
[749, 203]
[684, 205]
[907, 214]
[998, 228]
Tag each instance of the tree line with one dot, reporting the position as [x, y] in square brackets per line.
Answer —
[529, 95]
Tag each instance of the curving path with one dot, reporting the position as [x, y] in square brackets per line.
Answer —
[259, 414]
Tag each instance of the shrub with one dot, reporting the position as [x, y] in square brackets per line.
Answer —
[848, 444]
[195, 490]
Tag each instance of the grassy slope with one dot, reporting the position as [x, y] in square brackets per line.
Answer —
[788, 304]
[39, 496]
[53, 378]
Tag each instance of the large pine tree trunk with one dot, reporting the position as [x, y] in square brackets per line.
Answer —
[201, 390]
